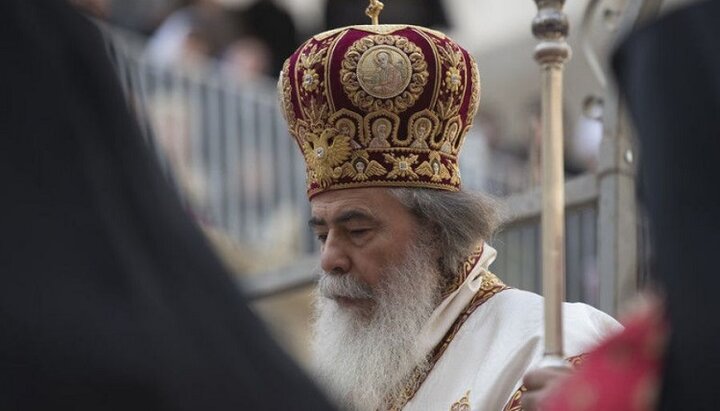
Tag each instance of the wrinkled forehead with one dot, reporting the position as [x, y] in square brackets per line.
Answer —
[373, 202]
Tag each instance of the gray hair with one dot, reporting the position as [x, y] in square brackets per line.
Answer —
[455, 221]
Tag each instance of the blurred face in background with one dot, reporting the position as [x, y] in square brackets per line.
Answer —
[379, 284]
[195, 50]
[246, 59]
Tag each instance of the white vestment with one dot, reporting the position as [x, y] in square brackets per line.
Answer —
[485, 359]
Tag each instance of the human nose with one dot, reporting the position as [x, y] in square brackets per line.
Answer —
[333, 256]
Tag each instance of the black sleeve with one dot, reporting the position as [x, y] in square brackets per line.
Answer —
[669, 73]
[110, 298]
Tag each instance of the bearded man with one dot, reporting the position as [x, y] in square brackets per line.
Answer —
[408, 315]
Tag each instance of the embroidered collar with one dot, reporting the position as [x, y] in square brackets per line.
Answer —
[464, 270]
[474, 282]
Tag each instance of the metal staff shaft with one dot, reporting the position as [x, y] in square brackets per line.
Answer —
[550, 26]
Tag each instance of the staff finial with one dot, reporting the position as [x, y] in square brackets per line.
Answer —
[373, 11]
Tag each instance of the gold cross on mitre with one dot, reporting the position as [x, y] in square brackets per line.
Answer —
[373, 11]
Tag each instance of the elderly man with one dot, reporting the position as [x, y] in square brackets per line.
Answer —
[408, 315]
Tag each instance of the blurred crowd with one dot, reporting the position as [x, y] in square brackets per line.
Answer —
[248, 40]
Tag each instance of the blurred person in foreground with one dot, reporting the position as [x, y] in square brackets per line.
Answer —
[667, 357]
[408, 314]
[110, 298]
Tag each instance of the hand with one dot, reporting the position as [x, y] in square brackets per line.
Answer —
[539, 382]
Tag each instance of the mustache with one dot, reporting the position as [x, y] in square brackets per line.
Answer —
[343, 285]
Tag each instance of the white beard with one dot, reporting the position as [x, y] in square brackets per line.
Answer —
[366, 358]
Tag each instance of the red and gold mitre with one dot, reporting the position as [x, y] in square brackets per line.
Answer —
[380, 105]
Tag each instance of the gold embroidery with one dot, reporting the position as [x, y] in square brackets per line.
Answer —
[360, 168]
[434, 168]
[372, 84]
[328, 75]
[387, 183]
[515, 401]
[380, 29]
[452, 79]
[380, 126]
[284, 90]
[380, 130]
[377, 76]
[421, 125]
[450, 140]
[310, 80]
[347, 127]
[467, 266]
[322, 156]
[453, 58]
[474, 93]
[514, 404]
[384, 71]
[463, 404]
[327, 34]
[308, 85]
[447, 111]
[349, 123]
[451, 98]
[402, 166]
[454, 173]
[312, 57]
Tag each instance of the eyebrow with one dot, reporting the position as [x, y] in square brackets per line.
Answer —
[347, 216]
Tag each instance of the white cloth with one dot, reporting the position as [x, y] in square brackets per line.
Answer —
[497, 345]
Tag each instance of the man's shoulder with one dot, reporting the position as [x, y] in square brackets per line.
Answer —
[531, 303]
[523, 311]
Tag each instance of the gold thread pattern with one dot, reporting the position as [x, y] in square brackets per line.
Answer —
[349, 123]
[393, 45]
[284, 90]
[381, 127]
[474, 93]
[490, 286]
[463, 404]
[398, 90]
[451, 136]
[383, 71]
[452, 79]
[361, 168]
[422, 125]
[310, 80]
[464, 270]
[515, 401]
[402, 166]
[434, 168]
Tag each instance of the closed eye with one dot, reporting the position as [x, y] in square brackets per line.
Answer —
[359, 232]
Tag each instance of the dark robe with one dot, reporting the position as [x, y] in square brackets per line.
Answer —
[669, 72]
[110, 297]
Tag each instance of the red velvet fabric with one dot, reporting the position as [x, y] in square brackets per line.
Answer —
[327, 54]
[622, 374]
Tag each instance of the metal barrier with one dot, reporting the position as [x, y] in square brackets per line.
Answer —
[224, 145]
[518, 244]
